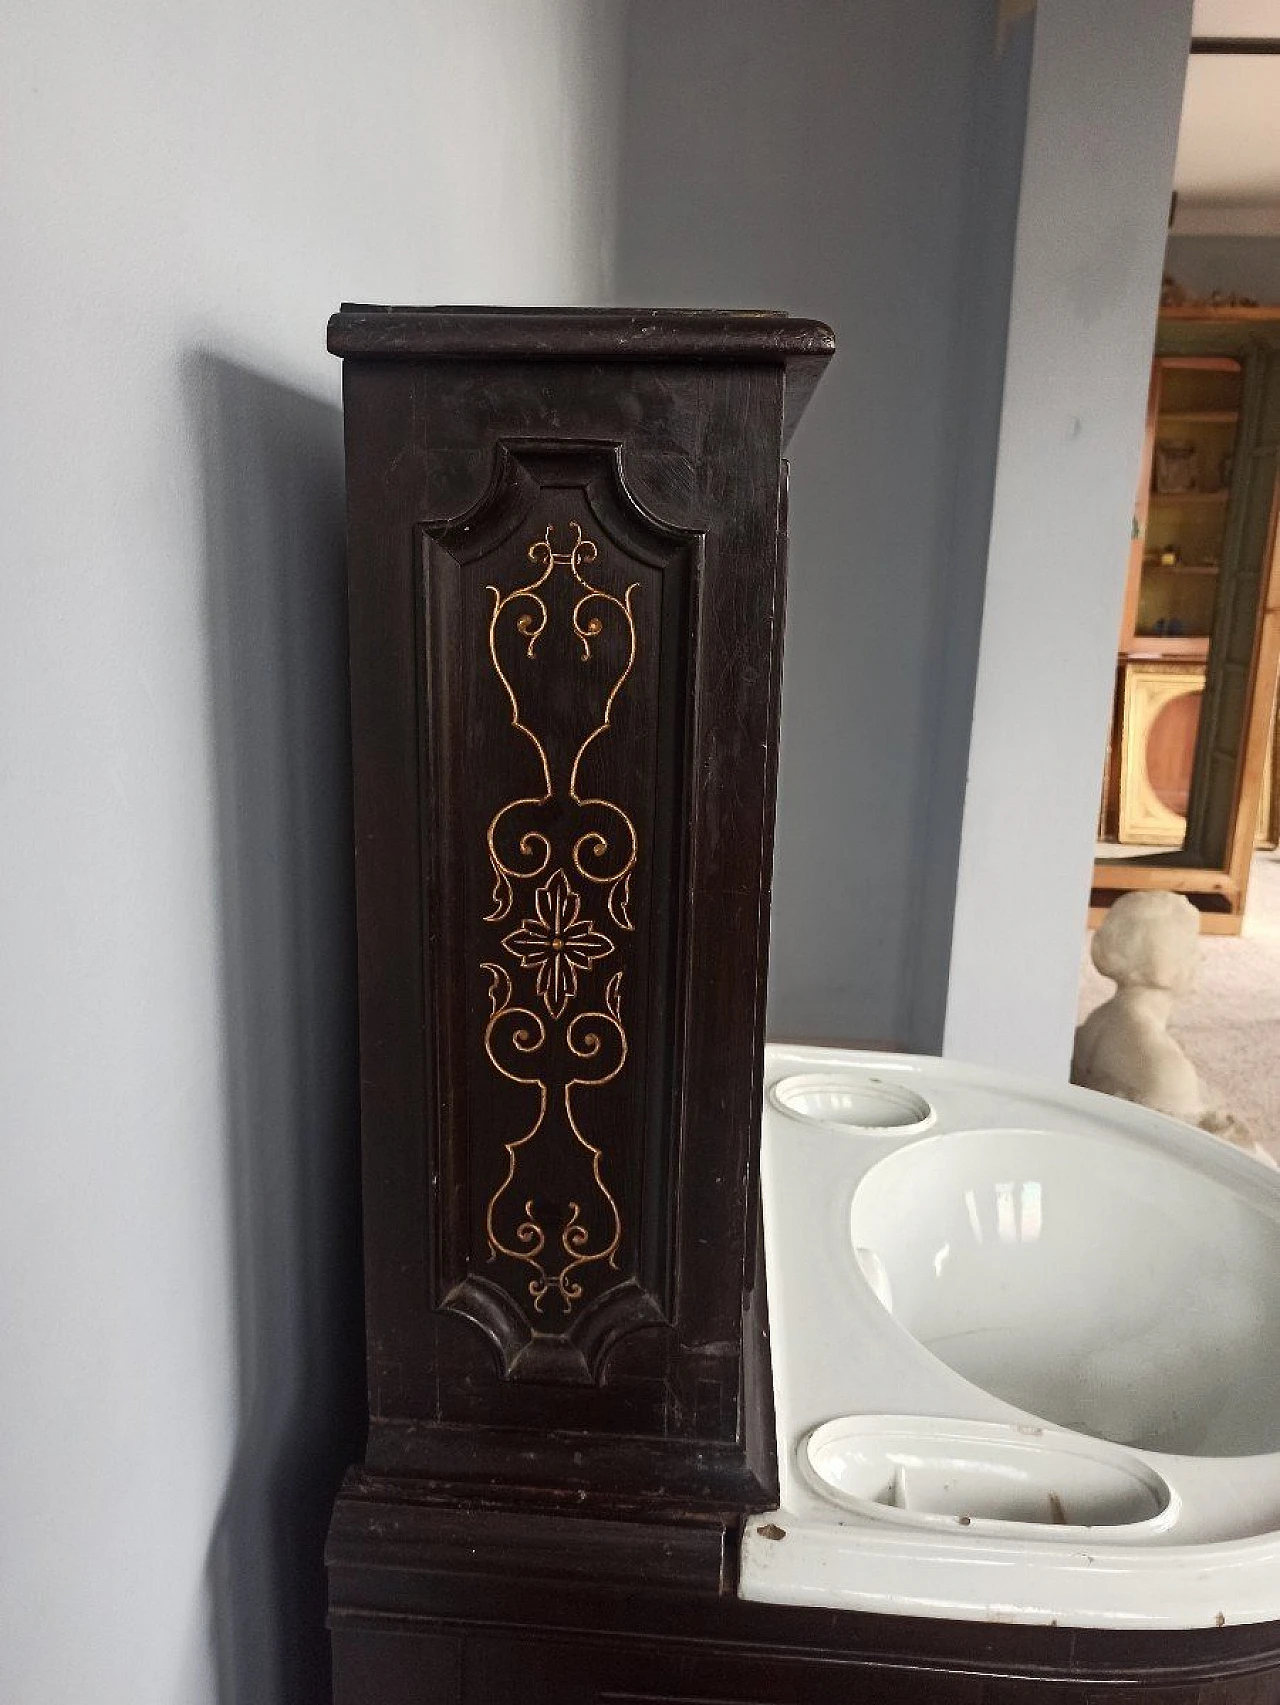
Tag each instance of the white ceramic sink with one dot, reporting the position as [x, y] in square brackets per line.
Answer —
[1105, 1287]
[1026, 1352]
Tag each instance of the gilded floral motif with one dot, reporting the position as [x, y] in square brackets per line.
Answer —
[557, 942]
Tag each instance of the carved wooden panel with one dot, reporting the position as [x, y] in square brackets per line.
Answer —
[557, 620]
[1155, 775]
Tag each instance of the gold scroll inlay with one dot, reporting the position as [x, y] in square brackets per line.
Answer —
[555, 942]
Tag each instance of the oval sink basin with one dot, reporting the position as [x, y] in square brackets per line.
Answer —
[984, 1475]
[1102, 1285]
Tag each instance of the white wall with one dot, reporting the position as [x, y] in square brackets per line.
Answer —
[188, 192]
[1094, 203]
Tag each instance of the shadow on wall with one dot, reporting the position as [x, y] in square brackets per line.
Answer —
[273, 475]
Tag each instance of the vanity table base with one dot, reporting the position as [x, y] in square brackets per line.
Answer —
[425, 1630]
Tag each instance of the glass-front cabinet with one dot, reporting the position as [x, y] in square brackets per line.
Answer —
[1188, 790]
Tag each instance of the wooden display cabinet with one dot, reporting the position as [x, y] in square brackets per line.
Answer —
[1193, 421]
[1188, 769]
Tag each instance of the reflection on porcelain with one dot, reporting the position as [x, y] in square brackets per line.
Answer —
[1026, 1349]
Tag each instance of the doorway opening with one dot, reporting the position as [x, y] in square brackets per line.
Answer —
[1190, 796]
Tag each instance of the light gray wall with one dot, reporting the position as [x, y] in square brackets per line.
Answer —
[1249, 266]
[189, 191]
[995, 172]
[1086, 284]
[857, 163]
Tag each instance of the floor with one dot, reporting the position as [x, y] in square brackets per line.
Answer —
[1230, 1022]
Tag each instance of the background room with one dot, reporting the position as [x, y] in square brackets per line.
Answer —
[1190, 802]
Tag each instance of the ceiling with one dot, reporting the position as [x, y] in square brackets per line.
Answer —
[1228, 168]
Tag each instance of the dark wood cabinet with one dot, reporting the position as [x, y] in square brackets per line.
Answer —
[566, 579]
[566, 555]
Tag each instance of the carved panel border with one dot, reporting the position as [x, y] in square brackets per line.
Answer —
[562, 595]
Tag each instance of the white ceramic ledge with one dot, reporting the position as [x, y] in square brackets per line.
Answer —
[1025, 1302]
